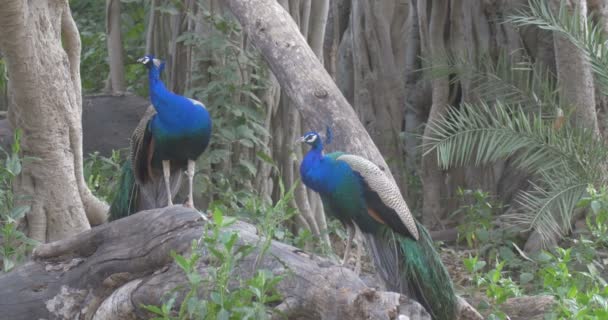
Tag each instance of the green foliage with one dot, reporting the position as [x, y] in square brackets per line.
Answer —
[519, 118]
[14, 244]
[497, 287]
[236, 76]
[573, 276]
[223, 299]
[478, 216]
[102, 174]
[589, 36]
[91, 21]
[580, 294]
[564, 161]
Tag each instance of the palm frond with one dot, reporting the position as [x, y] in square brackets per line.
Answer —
[480, 134]
[512, 82]
[549, 209]
[586, 35]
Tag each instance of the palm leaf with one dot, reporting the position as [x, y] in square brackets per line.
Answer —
[549, 210]
[523, 82]
[586, 35]
[564, 161]
[479, 135]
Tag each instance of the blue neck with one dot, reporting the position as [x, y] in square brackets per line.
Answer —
[158, 92]
[311, 159]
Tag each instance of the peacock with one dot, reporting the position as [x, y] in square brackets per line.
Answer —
[359, 194]
[169, 138]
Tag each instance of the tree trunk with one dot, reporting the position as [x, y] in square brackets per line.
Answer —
[287, 125]
[369, 68]
[111, 271]
[432, 27]
[574, 72]
[115, 51]
[46, 104]
[303, 77]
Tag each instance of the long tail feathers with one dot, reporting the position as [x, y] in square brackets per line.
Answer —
[132, 197]
[123, 204]
[419, 269]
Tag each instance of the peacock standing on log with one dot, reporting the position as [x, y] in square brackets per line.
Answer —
[172, 134]
[357, 192]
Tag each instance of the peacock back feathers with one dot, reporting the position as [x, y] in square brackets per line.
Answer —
[356, 191]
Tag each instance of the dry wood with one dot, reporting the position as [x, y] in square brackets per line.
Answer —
[110, 271]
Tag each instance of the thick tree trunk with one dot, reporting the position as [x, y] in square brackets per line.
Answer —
[111, 271]
[432, 27]
[369, 70]
[46, 104]
[115, 54]
[574, 72]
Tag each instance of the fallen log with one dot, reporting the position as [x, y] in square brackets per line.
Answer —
[110, 271]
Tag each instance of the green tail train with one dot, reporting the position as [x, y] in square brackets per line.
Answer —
[126, 194]
[133, 196]
[419, 268]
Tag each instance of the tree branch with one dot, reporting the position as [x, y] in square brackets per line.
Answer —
[302, 76]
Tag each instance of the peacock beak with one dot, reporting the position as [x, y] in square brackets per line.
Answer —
[299, 140]
[143, 60]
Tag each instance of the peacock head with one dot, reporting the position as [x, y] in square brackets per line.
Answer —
[312, 139]
[149, 61]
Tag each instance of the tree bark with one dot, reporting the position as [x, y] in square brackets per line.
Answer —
[46, 104]
[111, 271]
[115, 49]
[302, 75]
[432, 27]
[574, 73]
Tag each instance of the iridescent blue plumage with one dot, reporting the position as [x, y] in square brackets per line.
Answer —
[402, 250]
[173, 133]
[181, 127]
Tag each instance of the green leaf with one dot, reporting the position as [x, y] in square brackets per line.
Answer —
[596, 206]
[18, 212]
[249, 166]
[181, 261]
[526, 277]
[223, 315]
[13, 165]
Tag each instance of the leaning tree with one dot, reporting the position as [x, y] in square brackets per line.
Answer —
[41, 47]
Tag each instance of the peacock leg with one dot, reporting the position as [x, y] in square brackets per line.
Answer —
[167, 175]
[350, 232]
[359, 243]
[190, 174]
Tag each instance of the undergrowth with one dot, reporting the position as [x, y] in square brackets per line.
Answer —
[14, 244]
[573, 274]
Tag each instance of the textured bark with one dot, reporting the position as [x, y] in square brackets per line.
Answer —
[376, 49]
[45, 80]
[574, 72]
[115, 49]
[111, 271]
[303, 77]
[432, 177]
[287, 125]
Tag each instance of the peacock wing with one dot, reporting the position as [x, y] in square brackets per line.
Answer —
[142, 147]
[383, 196]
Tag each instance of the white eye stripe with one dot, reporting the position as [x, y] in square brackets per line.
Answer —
[311, 138]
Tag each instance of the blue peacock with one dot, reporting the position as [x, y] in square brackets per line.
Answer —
[360, 195]
[171, 135]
